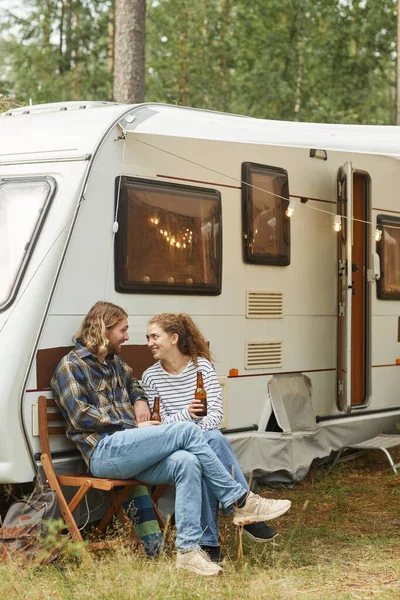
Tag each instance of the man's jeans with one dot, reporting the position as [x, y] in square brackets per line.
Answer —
[210, 505]
[176, 453]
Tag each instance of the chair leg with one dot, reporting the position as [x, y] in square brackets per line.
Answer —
[337, 457]
[126, 522]
[160, 489]
[115, 506]
[159, 516]
[154, 497]
[62, 503]
[80, 494]
[390, 460]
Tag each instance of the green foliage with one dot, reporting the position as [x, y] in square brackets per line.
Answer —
[58, 50]
[308, 60]
[314, 60]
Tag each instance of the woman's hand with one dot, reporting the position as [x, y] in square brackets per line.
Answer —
[195, 407]
[148, 423]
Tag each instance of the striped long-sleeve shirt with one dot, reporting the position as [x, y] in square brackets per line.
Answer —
[177, 391]
[95, 398]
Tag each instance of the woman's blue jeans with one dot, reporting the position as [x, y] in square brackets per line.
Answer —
[210, 505]
[176, 453]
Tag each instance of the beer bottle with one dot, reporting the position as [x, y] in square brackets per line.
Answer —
[155, 413]
[200, 394]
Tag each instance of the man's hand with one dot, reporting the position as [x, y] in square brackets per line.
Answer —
[148, 423]
[141, 411]
[195, 407]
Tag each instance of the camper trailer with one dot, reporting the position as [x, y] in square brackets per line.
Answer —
[280, 239]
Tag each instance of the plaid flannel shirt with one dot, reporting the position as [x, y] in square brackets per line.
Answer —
[95, 398]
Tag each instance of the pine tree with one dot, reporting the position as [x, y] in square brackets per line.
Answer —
[129, 50]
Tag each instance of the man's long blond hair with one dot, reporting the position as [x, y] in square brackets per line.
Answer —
[92, 332]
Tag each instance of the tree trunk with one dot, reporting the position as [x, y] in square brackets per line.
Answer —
[224, 58]
[129, 50]
[111, 41]
[185, 81]
[398, 62]
[299, 82]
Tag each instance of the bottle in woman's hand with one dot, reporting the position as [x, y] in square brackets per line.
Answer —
[155, 413]
[201, 395]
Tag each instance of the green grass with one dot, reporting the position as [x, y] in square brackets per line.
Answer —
[340, 540]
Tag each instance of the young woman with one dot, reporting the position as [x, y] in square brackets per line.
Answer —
[181, 351]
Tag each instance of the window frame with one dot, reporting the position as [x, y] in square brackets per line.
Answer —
[382, 220]
[280, 260]
[120, 243]
[31, 244]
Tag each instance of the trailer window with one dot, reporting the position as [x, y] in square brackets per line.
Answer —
[388, 248]
[169, 238]
[266, 228]
[23, 204]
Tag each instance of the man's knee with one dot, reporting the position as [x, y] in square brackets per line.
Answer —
[189, 428]
[186, 461]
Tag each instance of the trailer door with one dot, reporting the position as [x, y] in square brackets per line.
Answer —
[345, 289]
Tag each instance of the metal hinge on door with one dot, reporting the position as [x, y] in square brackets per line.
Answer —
[341, 309]
[340, 387]
[342, 266]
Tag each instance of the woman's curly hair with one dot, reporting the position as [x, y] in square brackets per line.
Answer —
[191, 341]
[92, 333]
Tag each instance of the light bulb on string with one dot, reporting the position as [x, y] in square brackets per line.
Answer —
[378, 235]
[290, 209]
[337, 223]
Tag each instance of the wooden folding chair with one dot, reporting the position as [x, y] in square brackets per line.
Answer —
[48, 412]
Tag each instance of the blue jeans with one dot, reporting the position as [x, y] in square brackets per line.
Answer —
[175, 453]
[209, 513]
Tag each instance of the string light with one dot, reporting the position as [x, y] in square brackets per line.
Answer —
[291, 208]
[337, 223]
[337, 218]
[250, 185]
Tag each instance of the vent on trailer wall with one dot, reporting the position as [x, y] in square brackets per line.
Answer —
[264, 305]
[263, 355]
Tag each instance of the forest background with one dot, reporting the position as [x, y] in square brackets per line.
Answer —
[304, 60]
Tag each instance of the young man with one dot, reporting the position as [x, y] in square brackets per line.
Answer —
[107, 416]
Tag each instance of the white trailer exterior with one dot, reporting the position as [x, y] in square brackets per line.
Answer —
[262, 319]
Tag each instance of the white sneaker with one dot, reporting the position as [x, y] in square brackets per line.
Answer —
[259, 509]
[198, 562]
